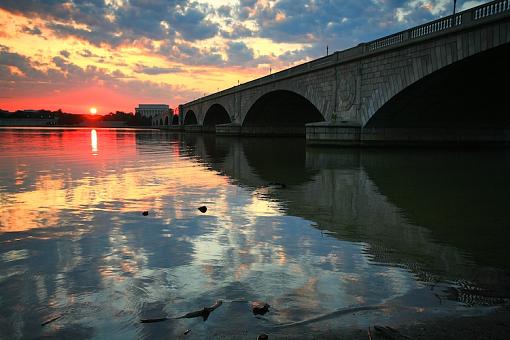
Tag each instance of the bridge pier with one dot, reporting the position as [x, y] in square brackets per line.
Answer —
[234, 129]
[175, 128]
[344, 133]
[231, 129]
[352, 134]
[192, 128]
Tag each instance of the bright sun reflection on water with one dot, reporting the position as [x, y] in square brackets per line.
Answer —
[93, 141]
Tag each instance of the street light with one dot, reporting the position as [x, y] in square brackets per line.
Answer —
[454, 6]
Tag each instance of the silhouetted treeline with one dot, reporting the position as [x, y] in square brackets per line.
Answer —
[59, 117]
[128, 117]
[32, 114]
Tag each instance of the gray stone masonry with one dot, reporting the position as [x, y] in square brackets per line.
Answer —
[350, 86]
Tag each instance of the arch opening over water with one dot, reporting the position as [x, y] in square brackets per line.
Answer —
[282, 109]
[190, 118]
[175, 120]
[465, 95]
[215, 115]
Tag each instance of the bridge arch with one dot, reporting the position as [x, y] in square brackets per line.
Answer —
[190, 118]
[216, 114]
[454, 96]
[282, 109]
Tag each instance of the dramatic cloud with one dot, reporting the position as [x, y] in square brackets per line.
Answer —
[189, 54]
[51, 46]
[339, 24]
[224, 11]
[239, 53]
[16, 66]
[192, 24]
[237, 31]
[246, 8]
[87, 54]
[470, 4]
[31, 30]
[120, 22]
[157, 70]
[19, 74]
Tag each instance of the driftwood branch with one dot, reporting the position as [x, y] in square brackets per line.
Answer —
[54, 318]
[204, 313]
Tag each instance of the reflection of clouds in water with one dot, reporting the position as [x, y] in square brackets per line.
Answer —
[291, 270]
[92, 253]
[53, 195]
[14, 255]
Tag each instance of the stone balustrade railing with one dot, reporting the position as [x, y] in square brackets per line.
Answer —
[491, 8]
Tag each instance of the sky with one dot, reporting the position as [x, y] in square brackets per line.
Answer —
[115, 54]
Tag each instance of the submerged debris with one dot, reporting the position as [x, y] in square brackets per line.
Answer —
[259, 307]
[154, 320]
[203, 209]
[204, 313]
[145, 213]
[263, 336]
[186, 332]
[54, 318]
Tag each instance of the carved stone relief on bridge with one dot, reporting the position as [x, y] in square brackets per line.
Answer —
[346, 91]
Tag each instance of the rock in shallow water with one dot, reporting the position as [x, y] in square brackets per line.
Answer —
[259, 307]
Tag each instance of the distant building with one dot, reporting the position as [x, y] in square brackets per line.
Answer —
[158, 113]
[152, 110]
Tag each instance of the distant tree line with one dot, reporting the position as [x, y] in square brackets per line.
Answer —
[128, 117]
[64, 118]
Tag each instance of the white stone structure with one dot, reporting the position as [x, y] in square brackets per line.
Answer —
[152, 110]
[158, 113]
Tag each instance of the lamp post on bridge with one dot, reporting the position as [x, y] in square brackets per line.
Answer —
[454, 6]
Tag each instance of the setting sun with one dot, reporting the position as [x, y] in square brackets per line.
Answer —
[93, 110]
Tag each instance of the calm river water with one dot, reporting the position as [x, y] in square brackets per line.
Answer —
[413, 234]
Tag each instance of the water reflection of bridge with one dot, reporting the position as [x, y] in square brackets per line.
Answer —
[431, 217]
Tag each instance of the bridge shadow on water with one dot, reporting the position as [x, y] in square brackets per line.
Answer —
[438, 213]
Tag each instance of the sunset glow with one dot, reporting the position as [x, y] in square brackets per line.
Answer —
[93, 110]
[118, 54]
[95, 150]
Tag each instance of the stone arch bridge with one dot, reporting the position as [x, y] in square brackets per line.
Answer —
[444, 81]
